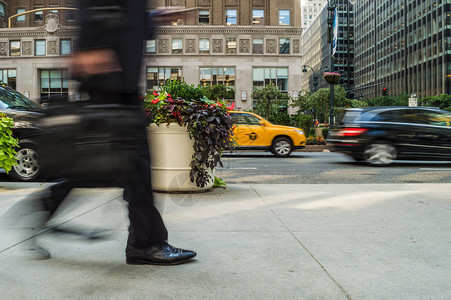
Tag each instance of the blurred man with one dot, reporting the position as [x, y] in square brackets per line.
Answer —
[108, 63]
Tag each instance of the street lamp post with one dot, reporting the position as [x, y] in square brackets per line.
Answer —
[330, 24]
[315, 75]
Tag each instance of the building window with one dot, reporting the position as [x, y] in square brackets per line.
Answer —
[217, 75]
[70, 14]
[177, 46]
[8, 76]
[39, 47]
[257, 46]
[54, 83]
[284, 17]
[14, 48]
[231, 45]
[38, 16]
[21, 18]
[231, 17]
[204, 46]
[284, 46]
[151, 46]
[258, 17]
[65, 47]
[265, 76]
[2, 10]
[204, 17]
[158, 76]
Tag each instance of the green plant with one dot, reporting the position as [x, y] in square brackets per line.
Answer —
[7, 144]
[270, 101]
[315, 140]
[219, 182]
[208, 123]
[306, 122]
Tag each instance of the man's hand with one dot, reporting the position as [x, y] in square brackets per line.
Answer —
[94, 62]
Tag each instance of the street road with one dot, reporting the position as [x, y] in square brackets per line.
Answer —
[319, 168]
[325, 168]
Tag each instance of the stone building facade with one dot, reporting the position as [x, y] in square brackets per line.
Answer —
[241, 44]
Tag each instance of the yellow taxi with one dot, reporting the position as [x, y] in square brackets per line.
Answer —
[253, 132]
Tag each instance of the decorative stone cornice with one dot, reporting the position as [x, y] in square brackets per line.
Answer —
[228, 30]
[36, 31]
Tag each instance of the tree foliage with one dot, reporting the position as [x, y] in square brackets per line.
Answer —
[270, 101]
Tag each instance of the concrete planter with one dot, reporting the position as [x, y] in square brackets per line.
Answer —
[171, 153]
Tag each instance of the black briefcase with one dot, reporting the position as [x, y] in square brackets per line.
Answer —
[85, 141]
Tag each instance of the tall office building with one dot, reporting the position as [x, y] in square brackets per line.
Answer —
[404, 45]
[316, 49]
[309, 10]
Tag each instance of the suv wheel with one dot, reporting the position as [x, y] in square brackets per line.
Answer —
[380, 153]
[282, 147]
[27, 168]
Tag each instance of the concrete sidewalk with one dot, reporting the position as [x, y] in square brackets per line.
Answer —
[253, 242]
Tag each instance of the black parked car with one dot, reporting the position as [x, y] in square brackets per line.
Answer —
[25, 114]
[380, 135]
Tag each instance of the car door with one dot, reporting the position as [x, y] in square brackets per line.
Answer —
[249, 130]
[430, 133]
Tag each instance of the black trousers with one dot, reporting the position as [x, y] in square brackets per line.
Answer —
[146, 224]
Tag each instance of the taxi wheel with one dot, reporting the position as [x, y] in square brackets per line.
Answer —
[282, 147]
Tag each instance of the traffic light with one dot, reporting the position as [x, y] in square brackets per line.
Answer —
[384, 91]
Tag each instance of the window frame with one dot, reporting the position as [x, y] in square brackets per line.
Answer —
[201, 49]
[51, 91]
[224, 76]
[148, 47]
[253, 45]
[289, 17]
[228, 17]
[203, 16]
[18, 53]
[231, 50]
[61, 46]
[256, 21]
[21, 18]
[282, 45]
[36, 47]
[162, 71]
[40, 14]
[178, 50]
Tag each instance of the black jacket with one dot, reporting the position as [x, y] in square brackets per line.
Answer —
[120, 25]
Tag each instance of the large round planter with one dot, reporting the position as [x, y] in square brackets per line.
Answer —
[171, 152]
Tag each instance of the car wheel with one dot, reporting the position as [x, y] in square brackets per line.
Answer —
[282, 147]
[27, 168]
[380, 153]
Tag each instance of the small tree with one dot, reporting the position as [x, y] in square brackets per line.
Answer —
[266, 98]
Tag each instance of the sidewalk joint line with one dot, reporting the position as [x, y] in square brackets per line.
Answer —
[303, 246]
[57, 225]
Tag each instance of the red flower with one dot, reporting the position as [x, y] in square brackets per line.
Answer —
[155, 93]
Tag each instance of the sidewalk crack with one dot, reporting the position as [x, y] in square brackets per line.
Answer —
[303, 246]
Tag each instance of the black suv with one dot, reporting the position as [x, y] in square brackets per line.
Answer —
[380, 135]
[25, 114]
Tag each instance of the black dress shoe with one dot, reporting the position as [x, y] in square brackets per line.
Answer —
[158, 254]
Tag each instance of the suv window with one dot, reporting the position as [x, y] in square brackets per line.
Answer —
[12, 99]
